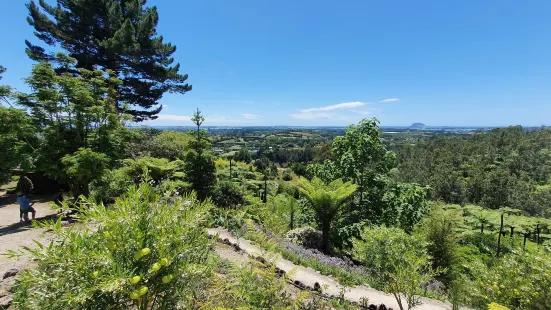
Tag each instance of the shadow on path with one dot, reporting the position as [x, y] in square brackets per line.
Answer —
[22, 226]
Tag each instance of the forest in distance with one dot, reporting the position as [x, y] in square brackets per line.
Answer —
[427, 217]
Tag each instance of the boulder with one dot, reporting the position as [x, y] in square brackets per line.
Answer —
[10, 273]
[5, 302]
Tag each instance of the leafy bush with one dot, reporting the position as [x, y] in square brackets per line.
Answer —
[82, 167]
[438, 229]
[287, 175]
[400, 259]
[405, 206]
[16, 133]
[227, 195]
[256, 286]
[112, 184]
[156, 169]
[148, 142]
[170, 144]
[520, 280]
[307, 237]
[494, 306]
[243, 155]
[200, 172]
[141, 253]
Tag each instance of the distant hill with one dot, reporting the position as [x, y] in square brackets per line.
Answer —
[417, 126]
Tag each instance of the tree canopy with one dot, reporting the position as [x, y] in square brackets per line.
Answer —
[117, 35]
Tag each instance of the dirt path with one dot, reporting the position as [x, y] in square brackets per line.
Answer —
[310, 277]
[14, 234]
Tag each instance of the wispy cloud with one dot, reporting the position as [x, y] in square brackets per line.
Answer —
[389, 100]
[251, 116]
[328, 112]
[344, 105]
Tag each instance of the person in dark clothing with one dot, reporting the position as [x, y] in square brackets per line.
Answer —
[58, 199]
[25, 185]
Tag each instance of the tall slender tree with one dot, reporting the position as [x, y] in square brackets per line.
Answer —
[199, 165]
[118, 35]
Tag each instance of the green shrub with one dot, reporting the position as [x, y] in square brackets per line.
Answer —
[112, 184]
[156, 169]
[494, 306]
[140, 253]
[439, 230]
[227, 195]
[520, 280]
[149, 142]
[287, 175]
[400, 259]
[82, 167]
[200, 172]
[307, 237]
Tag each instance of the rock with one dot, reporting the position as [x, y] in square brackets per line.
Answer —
[6, 286]
[10, 273]
[317, 287]
[5, 302]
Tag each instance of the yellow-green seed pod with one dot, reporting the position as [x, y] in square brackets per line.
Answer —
[135, 279]
[142, 290]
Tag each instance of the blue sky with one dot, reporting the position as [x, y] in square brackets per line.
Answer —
[305, 62]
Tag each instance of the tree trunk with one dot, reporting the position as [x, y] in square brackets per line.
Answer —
[325, 229]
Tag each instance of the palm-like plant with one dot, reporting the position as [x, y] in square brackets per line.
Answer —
[327, 200]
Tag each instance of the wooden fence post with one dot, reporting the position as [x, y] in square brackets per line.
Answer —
[499, 237]
[538, 234]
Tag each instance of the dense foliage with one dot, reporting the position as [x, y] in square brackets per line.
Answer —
[400, 259]
[361, 157]
[506, 167]
[319, 197]
[147, 252]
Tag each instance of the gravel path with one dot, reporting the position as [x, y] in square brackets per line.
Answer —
[310, 277]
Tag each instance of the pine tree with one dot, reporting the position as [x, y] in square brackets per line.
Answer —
[199, 165]
[118, 35]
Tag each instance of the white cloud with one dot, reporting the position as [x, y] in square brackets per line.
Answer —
[390, 100]
[358, 107]
[344, 105]
[172, 117]
[251, 116]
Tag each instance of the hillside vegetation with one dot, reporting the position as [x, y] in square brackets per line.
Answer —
[463, 219]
